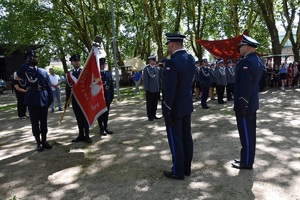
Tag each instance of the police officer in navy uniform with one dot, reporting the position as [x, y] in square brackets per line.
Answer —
[161, 76]
[246, 102]
[230, 74]
[38, 97]
[204, 82]
[71, 79]
[213, 81]
[197, 85]
[178, 106]
[151, 87]
[221, 80]
[108, 87]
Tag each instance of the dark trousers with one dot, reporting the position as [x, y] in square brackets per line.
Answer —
[152, 101]
[204, 96]
[220, 92]
[229, 91]
[181, 145]
[103, 119]
[38, 118]
[295, 80]
[247, 130]
[82, 123]
[20, 104]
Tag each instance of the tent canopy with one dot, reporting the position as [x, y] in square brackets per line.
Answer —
[136, 63]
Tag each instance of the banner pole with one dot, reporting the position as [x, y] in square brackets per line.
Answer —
[65, 109]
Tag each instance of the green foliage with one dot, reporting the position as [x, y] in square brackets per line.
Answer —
[61, 28]
[58, 70]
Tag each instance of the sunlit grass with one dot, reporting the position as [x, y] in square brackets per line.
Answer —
[8, 107]
[128, 93]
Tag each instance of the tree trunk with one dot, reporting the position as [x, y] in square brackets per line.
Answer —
[267, 11]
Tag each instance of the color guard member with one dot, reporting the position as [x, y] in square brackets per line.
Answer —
[108, 87]
[38, 97]
[82, 123]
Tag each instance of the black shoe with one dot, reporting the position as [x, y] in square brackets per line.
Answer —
[171, 175]
[241, 166]
[187, 173]
[40, 148]
[60, 109]
[150, 119]
[205, 107]
[88, 139]
[237, 160]
[108, 131]
[102, 133]
[79, 139]
[46, 145]
[156, 117]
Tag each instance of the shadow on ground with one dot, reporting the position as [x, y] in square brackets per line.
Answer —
[129, 164]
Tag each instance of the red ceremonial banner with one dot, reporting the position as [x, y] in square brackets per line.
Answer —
[226, 49]
[88, 91]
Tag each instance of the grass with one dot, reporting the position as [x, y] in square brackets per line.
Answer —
[8, 107]
[127, 93]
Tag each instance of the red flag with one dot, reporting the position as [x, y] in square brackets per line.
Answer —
[88, 90]
[226, 49]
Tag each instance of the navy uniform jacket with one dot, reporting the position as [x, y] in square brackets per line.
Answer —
[151, 79]
[108, 86]
[247, 75]
[179, 76]
[74, 75]
[213, 77]
[230, 73]
[205, 77]
[197, 73]
[221, 76]
[39, 92]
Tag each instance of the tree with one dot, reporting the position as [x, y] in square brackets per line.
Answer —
[268, 13]
[289, 14]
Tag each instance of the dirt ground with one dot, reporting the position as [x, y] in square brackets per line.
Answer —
[129, 164]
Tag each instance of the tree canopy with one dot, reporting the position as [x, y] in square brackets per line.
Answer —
[63, 27]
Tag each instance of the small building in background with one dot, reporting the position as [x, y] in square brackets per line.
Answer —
[11, 63]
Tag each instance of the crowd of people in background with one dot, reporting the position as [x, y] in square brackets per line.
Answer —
[283, 76]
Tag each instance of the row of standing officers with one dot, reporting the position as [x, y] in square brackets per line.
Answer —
[206, 78]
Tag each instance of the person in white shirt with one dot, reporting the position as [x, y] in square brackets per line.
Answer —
[55, 85]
